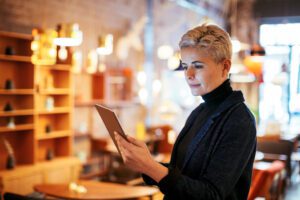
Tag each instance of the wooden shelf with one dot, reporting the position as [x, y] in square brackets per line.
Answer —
[22, 36]
[21, 127]
[17, 91]
[55, 111]
[81, 135]
[58, 67]
[55, 91]
[17, 113]
[15, 58]
[111, 104]
[54, 134]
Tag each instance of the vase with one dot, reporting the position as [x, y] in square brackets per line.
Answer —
[9, 51]
[8, 107]
[10, 162]
[9, 84]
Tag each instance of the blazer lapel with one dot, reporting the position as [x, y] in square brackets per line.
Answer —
[229, 104]
[196, 140]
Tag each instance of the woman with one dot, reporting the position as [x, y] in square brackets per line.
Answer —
[213, 155]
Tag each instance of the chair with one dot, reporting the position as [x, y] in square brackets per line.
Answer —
[111, 164]
[264, 178]
[279, 147]
[14, 196]
[162, 145]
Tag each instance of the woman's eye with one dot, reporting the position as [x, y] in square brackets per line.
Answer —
[198, 66]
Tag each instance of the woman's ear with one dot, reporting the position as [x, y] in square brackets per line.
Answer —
[226, 67]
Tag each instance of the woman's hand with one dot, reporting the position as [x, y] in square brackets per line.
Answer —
[137, 157]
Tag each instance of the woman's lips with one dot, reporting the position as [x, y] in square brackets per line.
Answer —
[194, 85]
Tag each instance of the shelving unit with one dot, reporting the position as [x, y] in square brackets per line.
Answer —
[17, 67]
[42, 102]
[55, 83]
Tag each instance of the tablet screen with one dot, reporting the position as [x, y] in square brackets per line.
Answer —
[111, 122]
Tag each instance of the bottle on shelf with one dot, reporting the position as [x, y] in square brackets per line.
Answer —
[9, 84]
[8, 107]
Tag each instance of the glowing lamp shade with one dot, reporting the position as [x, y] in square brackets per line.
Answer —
[43, 47]
[68, 35]
[105, 44]
[254, 64]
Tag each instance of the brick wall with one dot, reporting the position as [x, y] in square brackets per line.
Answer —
[97, 17]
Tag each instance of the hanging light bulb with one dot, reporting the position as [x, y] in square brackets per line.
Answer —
[236, 45]
[43, 47]
[62, 53]
[156, 86]
[143, 96]
[77, 62]
[164, 52]
[174, 61]
[92, 61]
[105, 45]
[34, 45]
[68, 35]
[141, 78]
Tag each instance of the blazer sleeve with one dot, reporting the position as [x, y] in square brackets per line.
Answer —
[148, 180]
[224, 170]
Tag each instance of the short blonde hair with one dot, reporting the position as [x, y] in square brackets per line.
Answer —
[211, 38]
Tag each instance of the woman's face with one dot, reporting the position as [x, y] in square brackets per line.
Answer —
[202, 73]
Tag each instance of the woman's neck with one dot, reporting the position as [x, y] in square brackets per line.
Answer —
[219, 94]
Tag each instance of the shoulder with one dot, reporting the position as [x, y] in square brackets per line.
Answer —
[243, 113]
[236, 109]
[241, 120]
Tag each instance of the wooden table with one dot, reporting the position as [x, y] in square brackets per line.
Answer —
[97, 190]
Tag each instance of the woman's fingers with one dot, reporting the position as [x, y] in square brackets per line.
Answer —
[136, 142]
[122, 143]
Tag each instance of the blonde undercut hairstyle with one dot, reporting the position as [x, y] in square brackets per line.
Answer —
[211, 38]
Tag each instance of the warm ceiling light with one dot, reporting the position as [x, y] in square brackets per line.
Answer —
[141, 78]
[236, 45]
[164, 52]
[174, 61]
[68, 35]
[105, 45]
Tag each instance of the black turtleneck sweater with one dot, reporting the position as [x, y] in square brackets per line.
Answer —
[211, 102]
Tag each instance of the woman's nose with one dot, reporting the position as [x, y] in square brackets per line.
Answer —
[190, 73]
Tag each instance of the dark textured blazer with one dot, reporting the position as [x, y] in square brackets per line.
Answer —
[219, 160]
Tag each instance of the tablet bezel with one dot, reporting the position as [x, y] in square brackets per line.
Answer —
[111, 123]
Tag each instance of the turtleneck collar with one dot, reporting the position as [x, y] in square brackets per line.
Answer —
[219, 94]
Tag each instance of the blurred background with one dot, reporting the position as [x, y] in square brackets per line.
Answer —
[60, 58]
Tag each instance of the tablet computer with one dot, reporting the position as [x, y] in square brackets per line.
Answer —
[111, 123]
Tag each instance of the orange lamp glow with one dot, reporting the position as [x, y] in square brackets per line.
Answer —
[254, 64]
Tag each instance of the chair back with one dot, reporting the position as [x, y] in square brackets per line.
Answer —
[281, 147]
[163, 145]
[262, 180]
